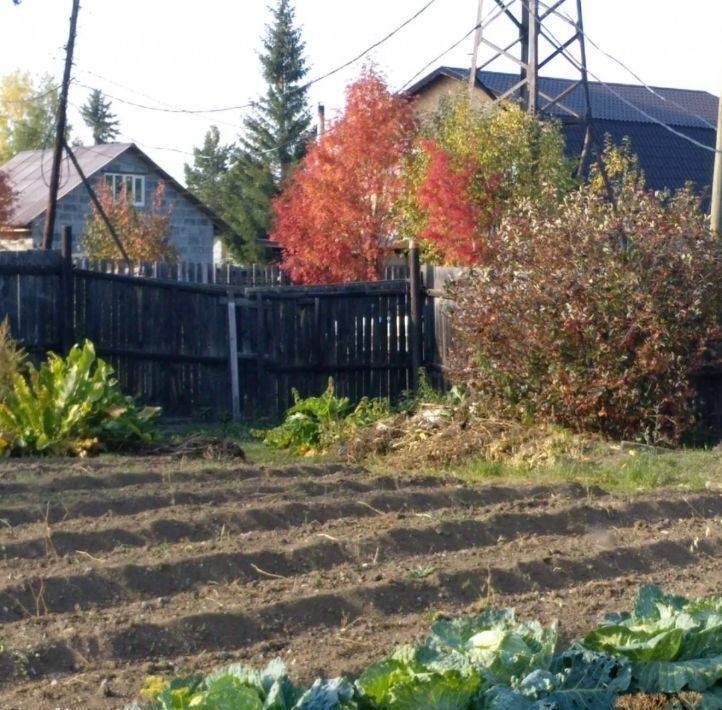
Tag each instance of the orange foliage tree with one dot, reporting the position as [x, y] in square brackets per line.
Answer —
[143, 233]
[336, 210]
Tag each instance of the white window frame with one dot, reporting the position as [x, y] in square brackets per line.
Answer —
[134, 184]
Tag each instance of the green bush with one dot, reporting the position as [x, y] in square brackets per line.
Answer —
[12, 357]
[314, 423]
[594, 318]
[70, 406]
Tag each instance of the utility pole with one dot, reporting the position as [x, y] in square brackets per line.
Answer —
[60, 132]
[475, 51]
[716, 207]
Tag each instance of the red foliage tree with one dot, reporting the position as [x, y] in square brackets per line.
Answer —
[336, 210]
[457, 221]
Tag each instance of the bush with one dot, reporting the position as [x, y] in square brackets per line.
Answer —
[12, 357]
[70, 406]
[594, 319]
[313, 423]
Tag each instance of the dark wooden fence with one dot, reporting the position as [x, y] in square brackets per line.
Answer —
[204, 349]
[190, 272]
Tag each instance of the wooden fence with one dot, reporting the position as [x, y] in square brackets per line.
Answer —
[202, 349]
[190, 272]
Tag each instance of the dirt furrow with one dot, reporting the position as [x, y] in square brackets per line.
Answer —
[389, 541]
[466, 579]
[381, 494]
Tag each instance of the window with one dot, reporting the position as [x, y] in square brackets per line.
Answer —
[134, 186]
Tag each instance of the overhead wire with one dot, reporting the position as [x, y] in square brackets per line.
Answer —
[551, 38]
[497, 10]
[168, 108]
[567, 18]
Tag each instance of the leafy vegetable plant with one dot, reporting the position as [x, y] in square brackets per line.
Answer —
[70, 406]
[667, 644]
[238, 686]
[12, 357]
[313, 423]
[672, 643]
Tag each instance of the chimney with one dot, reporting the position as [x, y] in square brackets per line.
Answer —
[321, 120]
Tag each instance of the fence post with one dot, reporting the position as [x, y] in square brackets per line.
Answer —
[233, 357]
[415, 333]
[66, 289]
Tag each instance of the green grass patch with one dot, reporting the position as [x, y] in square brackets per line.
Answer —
[615, 468]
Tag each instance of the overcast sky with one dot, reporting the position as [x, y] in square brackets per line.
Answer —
[203, 55]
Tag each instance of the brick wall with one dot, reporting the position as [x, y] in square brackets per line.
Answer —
[191, 230]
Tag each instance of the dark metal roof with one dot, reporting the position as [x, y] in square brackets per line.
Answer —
[667, 160]
[611, 102]
[29, 175]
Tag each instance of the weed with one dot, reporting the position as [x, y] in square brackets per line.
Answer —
[421, 572]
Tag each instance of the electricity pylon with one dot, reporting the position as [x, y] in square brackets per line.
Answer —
[535, 48]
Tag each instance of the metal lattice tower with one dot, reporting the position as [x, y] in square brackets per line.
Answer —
[536, 36]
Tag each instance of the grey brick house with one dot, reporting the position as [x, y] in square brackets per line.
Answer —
[193, 225]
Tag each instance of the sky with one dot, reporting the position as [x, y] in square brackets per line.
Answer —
[171, 54]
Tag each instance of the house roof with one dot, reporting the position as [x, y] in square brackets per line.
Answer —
[620, 110]
[611, 102]
[29, 175]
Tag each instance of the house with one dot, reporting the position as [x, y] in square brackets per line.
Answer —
[193, 226]
[668, 159]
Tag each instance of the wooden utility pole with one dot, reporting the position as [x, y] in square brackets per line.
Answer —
[475, 51]
[716, 207]
[60, 132]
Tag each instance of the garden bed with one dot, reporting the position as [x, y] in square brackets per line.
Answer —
[115, 570]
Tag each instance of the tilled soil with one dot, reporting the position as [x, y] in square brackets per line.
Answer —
[107, 577]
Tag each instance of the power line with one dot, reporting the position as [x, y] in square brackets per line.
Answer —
[372, 47]
[31, 99]
[564, 16]
[436, 59]
[494, 11]
[558, 45]
[251, 104]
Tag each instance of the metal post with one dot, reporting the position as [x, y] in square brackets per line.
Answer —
[475, 51]
[716, 206]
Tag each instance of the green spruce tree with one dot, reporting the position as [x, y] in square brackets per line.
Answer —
[276, 132]
[99, 118]
[206, 178]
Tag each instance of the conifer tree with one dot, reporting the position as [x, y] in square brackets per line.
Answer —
[99, 118]
[206, 178]
[276, 131]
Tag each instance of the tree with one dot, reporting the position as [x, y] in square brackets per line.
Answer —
[99, 118]
[7, 199]
[594, 319]
[27, 121]
[143, 233]
[336, 211]
[276, 133]
[470, 168]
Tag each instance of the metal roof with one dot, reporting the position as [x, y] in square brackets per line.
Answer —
[611, 102]
[29, 175]
[668, 160]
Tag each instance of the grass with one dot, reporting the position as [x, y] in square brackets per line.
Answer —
[620, 468]
[617, 469]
